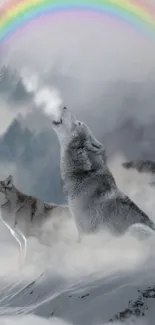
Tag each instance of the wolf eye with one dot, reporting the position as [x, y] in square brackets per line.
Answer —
[95, 146]
[79, 123]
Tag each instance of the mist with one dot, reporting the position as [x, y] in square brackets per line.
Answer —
[80, 283]
[97, 66]
[104, 71]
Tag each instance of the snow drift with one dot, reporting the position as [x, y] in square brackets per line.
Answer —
[101, 280]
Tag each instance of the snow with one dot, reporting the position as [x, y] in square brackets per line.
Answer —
[101, 280]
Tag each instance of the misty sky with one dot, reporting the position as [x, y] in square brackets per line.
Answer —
[103, 69]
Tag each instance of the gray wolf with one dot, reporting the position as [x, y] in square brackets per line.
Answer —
[25, 215]
[94, 199]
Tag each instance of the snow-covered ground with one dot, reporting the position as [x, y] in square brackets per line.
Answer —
[101, 280]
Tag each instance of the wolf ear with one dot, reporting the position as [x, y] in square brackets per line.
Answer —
[94, 145]
[9, 181]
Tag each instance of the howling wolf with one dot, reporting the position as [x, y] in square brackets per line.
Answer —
[25, 215]
[93, 196]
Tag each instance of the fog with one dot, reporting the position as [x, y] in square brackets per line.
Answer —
[104, 71]
[107, 270]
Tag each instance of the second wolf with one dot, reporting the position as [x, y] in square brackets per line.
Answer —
[25, 215]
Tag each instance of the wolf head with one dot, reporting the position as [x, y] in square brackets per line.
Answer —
[64, 126]
[76, 140]
[6, 185]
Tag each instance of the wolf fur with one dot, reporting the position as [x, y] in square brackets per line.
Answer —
[25, 215]
[93, 196]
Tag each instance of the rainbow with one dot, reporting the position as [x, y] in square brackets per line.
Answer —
[17, 13]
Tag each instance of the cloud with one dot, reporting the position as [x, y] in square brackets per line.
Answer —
[102, 69]
[78, 61]
[99, 48]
